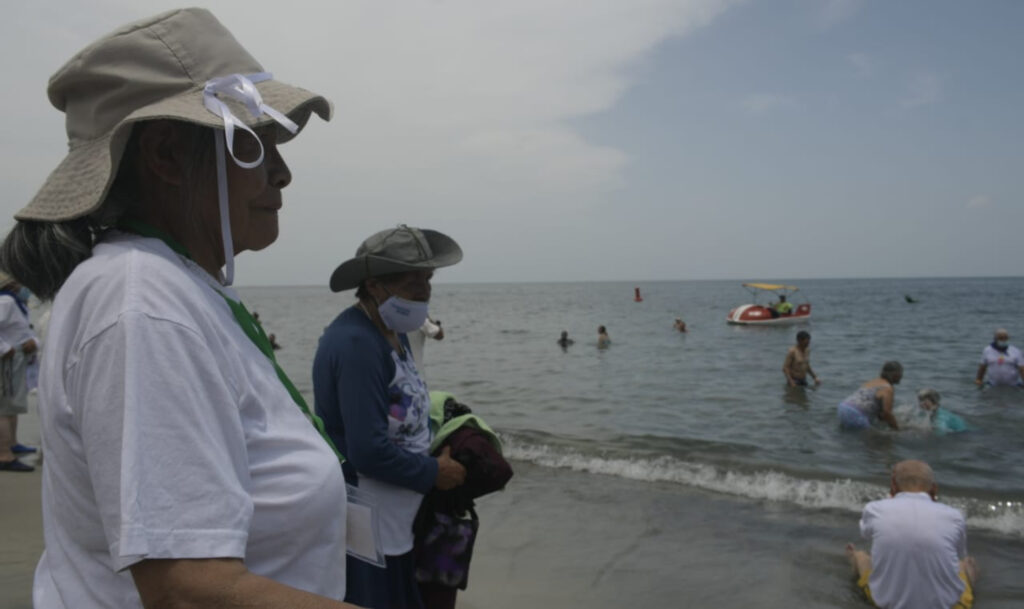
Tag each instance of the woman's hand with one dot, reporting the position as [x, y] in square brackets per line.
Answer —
[29, 347]
[450, 472]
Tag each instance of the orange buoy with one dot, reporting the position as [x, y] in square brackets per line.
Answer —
[637, 297]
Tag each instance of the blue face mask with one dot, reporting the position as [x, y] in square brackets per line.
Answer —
[401, 315]
[24, 294]
[1002, 344]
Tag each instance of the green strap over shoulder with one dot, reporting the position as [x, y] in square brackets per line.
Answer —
[254, 331]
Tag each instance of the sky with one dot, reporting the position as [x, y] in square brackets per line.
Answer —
[595, 140]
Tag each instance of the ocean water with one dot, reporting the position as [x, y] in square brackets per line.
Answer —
[709, 412]
[710, 408]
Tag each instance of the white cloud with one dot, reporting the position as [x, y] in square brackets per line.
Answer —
[446, 112]
[862, 64]
[979, 202]
[923, 89]
[763, 103]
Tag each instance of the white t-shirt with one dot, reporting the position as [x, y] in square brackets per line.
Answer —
[15, 329]
[169, 435]
[1002, 368]
[916, 547]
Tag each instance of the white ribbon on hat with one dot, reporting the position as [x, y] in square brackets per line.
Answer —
[241, 88]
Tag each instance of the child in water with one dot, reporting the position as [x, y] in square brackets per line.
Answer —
[943, 421]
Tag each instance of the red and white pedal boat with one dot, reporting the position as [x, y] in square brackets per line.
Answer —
[764, 315]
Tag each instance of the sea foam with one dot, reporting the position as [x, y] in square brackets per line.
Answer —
[1005, 517]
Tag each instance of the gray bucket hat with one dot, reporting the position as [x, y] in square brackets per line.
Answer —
[156, 68]
[396, 250]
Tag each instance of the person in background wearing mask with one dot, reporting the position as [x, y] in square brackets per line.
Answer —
[1002, 361]
[18, 346]
[374, 404]
[431, 328]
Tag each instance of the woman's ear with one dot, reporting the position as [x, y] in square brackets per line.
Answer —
[160, 151]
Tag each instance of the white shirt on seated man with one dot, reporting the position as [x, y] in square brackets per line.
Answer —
[918, 554]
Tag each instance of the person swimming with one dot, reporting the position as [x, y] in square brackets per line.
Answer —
[942, 420]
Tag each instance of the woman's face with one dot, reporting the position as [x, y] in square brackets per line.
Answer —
[254, 195]
[414, 285]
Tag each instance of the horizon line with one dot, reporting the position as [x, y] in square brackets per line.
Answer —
[741, 280]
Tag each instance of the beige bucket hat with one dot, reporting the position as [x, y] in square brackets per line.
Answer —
[156, 68]
[396, 250]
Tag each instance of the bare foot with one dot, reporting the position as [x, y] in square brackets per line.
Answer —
[860, 561]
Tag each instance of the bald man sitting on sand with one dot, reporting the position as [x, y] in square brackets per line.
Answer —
[918, 554]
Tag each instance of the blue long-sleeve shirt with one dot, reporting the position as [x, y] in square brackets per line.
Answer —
[369, 399]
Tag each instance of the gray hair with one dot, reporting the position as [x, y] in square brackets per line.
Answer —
[929, 394]
[913, 476]
[891, 370]
[42, 255]
[1001, 331]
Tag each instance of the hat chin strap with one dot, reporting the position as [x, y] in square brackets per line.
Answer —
[243, 89]
[225, 213]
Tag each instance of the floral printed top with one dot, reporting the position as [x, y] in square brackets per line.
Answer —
[376, 409]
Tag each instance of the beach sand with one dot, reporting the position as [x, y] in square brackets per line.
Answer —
[561, 539]
[21, 528]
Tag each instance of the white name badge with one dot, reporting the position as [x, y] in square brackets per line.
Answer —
[362, 526]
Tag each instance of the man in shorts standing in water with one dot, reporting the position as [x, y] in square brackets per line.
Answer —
[798, 362]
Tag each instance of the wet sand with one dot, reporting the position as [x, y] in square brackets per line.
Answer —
[562, 539]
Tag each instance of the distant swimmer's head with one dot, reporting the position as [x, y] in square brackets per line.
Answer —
[565, 335]
[928, 399]
[601, 330]
[892, 372]
[913, 477]
[803, 338]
